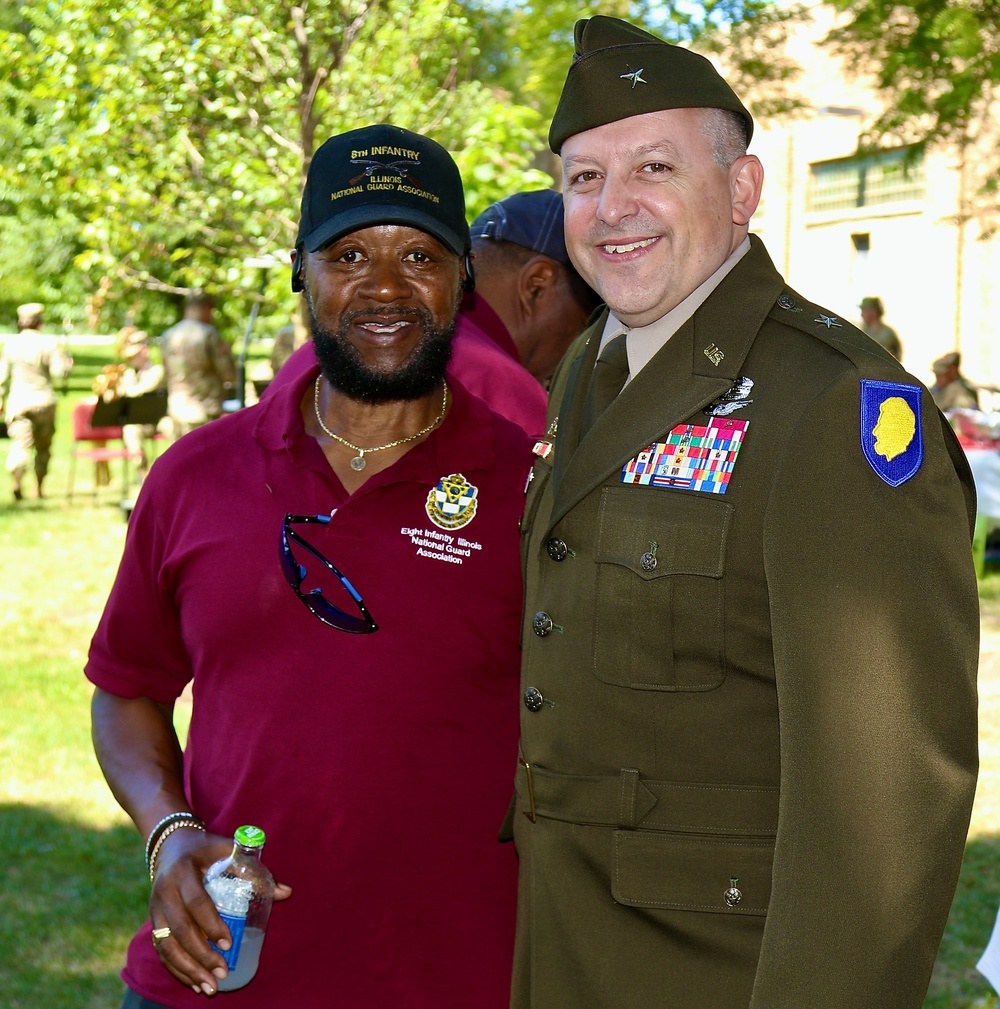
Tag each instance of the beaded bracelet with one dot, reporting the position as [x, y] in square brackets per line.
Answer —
[155, 832]
[176, 825]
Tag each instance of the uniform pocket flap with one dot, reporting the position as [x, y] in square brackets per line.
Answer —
[673, 533]
[727, 876]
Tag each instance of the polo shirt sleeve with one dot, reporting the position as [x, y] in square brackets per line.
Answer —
[137, 650]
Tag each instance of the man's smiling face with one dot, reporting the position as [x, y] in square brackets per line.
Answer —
[650, 212]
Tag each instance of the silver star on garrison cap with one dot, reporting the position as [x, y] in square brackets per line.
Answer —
[635, 76]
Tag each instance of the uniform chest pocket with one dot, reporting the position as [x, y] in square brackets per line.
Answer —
[659, 608]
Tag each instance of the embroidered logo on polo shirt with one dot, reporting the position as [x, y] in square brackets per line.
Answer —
[452, 503]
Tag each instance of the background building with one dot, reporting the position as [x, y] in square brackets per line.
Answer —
[894, 224]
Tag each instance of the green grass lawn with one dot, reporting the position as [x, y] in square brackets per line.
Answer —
[72, 882]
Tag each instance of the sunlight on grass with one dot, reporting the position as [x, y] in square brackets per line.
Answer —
[74, 889]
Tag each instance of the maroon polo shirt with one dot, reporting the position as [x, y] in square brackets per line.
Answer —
[378, 765]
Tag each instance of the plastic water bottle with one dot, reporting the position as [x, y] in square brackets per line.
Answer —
[243, 891]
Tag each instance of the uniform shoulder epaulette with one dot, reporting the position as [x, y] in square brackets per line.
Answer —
[791, 309]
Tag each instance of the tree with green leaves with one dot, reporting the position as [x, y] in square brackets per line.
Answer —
[150, 149]
[938, 65]
[169, 141]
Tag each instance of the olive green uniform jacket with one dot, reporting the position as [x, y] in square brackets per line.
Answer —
[749, 718]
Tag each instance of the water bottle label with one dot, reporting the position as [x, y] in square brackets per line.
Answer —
[236, 925]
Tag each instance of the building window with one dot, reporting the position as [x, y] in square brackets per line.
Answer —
[883, 177]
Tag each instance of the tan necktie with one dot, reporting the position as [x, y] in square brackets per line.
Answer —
[609, 376]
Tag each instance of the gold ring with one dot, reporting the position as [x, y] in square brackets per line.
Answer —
[159, 934]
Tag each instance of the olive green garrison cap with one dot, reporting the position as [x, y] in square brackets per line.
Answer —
[619, 70]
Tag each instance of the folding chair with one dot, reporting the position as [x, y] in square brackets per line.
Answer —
[92, 443]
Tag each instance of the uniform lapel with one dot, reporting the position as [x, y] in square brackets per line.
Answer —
[575, 393]
[677, 383]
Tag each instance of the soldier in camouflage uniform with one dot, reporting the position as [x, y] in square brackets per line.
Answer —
[199, 366]
[29, 362]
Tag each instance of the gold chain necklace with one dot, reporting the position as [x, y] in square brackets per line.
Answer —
[358, 462]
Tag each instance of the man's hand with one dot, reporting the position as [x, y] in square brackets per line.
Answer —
[180, 902]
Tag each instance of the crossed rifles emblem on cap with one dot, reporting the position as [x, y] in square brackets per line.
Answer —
[371, 167]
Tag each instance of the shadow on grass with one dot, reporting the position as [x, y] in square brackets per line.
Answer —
[71, 897]
[956, 984]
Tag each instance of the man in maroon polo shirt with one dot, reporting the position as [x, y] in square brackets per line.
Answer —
[368, 726]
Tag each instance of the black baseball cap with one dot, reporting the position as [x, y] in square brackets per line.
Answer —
[382, 175]
[532, 219]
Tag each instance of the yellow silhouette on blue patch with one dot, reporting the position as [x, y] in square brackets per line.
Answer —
[896, 426]
[891, 437]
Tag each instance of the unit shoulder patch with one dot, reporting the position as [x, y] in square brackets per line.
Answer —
[891, 432]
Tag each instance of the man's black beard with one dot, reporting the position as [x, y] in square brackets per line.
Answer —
[343, 367]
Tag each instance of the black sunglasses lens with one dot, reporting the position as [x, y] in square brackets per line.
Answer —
[336, 585]
[329, 614]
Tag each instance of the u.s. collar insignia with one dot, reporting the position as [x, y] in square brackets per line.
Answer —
[714, 354]
[891, 434]
[735, 399]
[452, 503]
[635, 76]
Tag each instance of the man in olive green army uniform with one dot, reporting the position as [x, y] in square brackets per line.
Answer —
[199, 367]
[748, 748]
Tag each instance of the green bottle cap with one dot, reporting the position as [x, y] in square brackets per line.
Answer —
[250, 837]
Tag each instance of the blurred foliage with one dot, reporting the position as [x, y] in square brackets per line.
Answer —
[151, 148]
[938, 65]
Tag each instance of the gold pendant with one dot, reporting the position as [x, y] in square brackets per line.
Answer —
[358, 463]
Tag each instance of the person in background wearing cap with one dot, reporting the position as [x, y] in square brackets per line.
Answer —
[199, 366]
[142, 375]
[366, 726]
[873, 326]
[529, 298]
[28, 364]
[951, 389]
[748, 730]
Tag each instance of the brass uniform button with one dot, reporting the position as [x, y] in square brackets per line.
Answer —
[541, 624]
[557, 549]
[533, 699]
[648, 561]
